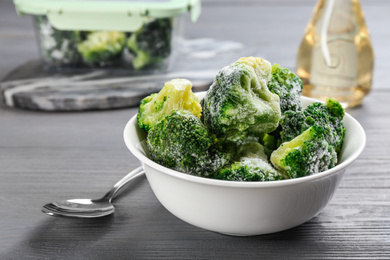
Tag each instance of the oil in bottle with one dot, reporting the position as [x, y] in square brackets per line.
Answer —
[335, 58]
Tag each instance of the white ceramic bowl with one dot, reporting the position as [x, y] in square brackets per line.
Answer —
[245, 208]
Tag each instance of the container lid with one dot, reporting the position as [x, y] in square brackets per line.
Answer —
[119, 15]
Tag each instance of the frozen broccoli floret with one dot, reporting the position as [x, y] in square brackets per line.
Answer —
[306, 154]
[288, 87]
[151, 43]
[239, 101]
[102, 48]
[292, 124]
[250, 164]
[329, 116]
[335, 108]
[181, 142]
[175, 95]
[58, 47]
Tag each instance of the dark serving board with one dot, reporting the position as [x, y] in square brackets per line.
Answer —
[30, 87]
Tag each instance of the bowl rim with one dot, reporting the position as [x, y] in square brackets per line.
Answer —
[242, 184]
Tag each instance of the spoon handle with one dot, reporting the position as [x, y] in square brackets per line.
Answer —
[117, 186]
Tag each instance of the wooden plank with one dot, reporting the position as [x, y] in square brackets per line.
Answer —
[51, 156]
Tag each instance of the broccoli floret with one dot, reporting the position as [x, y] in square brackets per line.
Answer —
[239, 100]
[250, 164]
[58, 47]
[102, 48]
[181, 142]
[329, 116]
[288, 87]
[306, 154]
[335, 108]
[151, 43]
[175, 95]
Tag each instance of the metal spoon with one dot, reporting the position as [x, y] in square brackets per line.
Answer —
[87, 208]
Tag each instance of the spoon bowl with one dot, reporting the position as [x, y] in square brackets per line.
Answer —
[90, 208]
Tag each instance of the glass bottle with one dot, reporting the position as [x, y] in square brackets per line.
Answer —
[335, 58]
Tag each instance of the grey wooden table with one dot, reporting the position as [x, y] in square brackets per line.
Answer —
[52, 156]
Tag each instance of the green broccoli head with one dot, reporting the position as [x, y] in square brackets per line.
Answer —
[239, 100]
[329, 116]
[306, 154]
[335, 108]
[288, 87]
[175, 95]
[151, 43]
[250, 164]
[181, 142]
[102, 48]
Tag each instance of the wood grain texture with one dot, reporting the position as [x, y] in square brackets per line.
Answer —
[50, 156]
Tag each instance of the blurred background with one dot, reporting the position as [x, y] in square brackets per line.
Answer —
[218, 20]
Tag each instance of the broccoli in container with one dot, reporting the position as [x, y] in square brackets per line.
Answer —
[129, 37]
[102, 48]
[151, 44]
[58, 47]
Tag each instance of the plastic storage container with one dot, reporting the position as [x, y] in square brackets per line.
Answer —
[123, 35]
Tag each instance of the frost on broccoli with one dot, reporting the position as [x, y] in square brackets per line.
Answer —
[58, 47]
[181, 142]
[102, 48]
[175, 95]
[329, 116]
[288, 87]
[250, 164]
[151, 44]
[239, 100]
[306, 154]
[292, 124]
